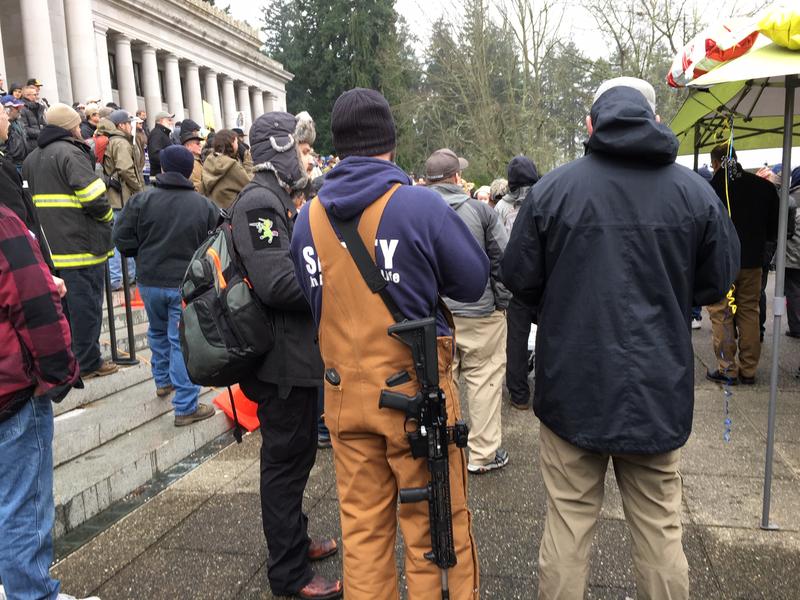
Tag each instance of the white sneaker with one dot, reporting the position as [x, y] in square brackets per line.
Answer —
[2, 593]
[500, 461]
[695, 324]
[68, 597]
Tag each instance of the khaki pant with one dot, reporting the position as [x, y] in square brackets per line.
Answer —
[727, 328]
[481, 361]
[650, 486]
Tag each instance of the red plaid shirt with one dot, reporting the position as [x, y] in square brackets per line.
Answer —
[35, 354]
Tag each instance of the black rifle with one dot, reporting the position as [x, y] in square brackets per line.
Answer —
[430, 438]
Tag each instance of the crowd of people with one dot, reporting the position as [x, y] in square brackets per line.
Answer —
[646, 240]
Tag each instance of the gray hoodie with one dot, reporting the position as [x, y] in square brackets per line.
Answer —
[490, 234]
[509, 205]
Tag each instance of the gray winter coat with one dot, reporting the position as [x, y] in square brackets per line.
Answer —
[487, 230]
[509, 205]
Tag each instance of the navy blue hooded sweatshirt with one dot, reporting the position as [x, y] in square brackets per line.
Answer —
[422, 246]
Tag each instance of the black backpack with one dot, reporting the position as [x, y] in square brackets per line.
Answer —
[225, 330]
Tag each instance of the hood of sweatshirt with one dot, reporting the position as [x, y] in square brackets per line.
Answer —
[452, 193]
[357, 182]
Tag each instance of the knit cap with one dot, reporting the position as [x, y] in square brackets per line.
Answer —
[62, 115]
[178, 159]
[362, 124]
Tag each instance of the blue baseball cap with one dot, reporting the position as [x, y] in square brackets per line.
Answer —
[10, 101]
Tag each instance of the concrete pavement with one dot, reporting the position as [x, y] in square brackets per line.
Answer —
[201, 537]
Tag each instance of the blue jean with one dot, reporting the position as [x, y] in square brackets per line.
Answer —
[163, 306]
[115, 263]
[697, 315]
[27, 508]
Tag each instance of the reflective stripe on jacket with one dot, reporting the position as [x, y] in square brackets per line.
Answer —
[70, 200]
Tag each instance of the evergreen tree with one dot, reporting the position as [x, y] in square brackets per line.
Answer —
[334, 46]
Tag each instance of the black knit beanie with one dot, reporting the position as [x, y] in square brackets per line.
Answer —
[362, 124]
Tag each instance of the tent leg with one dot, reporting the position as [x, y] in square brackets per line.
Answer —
[780, 300]
[696, 146]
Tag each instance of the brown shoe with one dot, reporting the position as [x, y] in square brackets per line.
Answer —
[319, 549]
[106, 368]
[165, 391]
[520, 406]
[204, 411]
[320, 588]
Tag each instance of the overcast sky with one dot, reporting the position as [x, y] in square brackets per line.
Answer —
[577, 24]
[420, 15]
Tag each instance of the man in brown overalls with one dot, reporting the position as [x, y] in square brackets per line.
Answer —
[422, 249]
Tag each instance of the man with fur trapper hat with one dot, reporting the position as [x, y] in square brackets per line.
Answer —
[285, 385]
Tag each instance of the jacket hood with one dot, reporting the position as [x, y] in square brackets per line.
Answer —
[521, 172]
[357, 182]
[516, 196]
[452, 193]
[51, 133]
[107, 128]
[215, 168]
[624, 126]
[172, 179]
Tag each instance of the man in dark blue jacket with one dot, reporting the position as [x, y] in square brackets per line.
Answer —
[614, 249]
[162, 227]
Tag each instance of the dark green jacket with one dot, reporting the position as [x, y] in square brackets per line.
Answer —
[70, 199]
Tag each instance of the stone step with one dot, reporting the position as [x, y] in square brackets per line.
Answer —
[102, 387]
[92, 481]
[138, 315]
[123, 346]
[80, 430]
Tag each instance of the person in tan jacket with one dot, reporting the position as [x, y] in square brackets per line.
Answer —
[119, 162]
[223, 175]
[192, 141]
[123, 175]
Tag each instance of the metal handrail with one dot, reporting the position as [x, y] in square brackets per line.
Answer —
[112, 330]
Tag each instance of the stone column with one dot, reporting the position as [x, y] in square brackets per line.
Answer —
[82, 56]
[38, 43]
[126, 85]
[228, 102]
[269, 102]
[172, 76]
[212, 97]
[3, 61]
[244, 105]
[151, 88]
[103, 68]
[193, 94]
[257, 102]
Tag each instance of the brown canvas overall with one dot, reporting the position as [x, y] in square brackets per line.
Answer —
[371, 452]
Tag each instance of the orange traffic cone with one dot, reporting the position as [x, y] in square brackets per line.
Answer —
[136, 299]
[245, 408]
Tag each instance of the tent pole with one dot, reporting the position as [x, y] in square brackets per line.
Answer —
[696, 146]
[780, 301]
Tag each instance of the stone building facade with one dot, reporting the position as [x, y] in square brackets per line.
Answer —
[142, 54]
